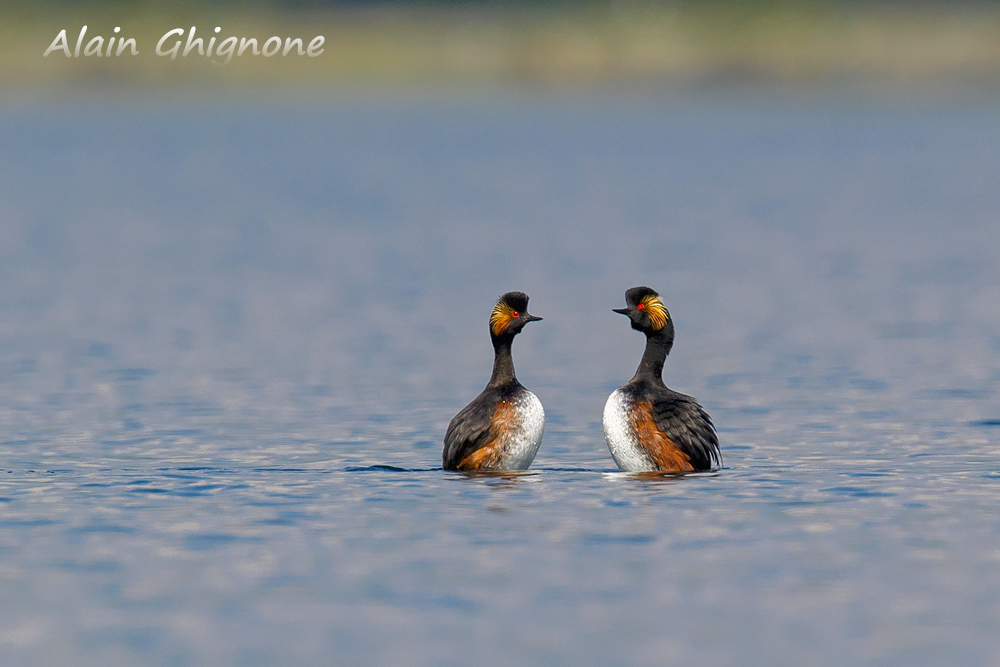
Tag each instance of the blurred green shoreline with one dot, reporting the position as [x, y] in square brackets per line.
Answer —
[679, 42]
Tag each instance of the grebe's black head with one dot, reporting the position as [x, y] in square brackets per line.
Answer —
[509, 316]
[647, 313]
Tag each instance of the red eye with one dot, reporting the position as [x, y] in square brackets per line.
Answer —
[641, 306]
[514, 313]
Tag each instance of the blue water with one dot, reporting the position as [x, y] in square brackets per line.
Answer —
[233, 331]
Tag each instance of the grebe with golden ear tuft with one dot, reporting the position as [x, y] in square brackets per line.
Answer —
[501, 428]
[649, 427]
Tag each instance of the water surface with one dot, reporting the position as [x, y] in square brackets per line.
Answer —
[232, 334]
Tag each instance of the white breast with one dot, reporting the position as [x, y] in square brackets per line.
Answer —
[620, 434]
[524, 442]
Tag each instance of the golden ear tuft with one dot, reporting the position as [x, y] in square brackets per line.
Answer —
[656, 310]
[501, 318]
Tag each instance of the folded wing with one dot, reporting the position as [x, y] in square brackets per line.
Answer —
[690, 428]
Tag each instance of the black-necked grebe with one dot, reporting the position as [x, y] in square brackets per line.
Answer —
[501, 428]
[648, 426]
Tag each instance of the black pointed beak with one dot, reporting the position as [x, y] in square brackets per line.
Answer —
[532, 318]
[622, 311]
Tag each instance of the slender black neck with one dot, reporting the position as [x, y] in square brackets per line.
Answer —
[651, 365]
[503, 362]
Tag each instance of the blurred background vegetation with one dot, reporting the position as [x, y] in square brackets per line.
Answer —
[496, 42]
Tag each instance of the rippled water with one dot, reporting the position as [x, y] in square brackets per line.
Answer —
[232, 333]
